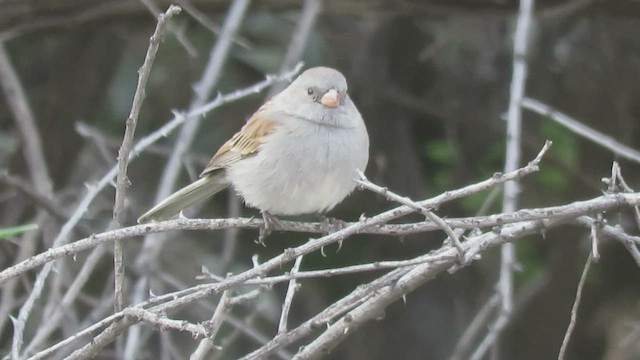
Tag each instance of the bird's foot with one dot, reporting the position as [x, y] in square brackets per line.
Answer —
[270, 223]
[330, 225]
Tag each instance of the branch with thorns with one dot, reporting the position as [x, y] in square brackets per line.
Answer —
[400, 278]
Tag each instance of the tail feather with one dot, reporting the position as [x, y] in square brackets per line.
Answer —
[199, 190]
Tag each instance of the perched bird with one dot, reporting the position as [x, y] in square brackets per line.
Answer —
[297, 154]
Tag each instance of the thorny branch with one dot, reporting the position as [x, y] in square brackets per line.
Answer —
[202, 93]
[354, 310]
[122, 181]
[322, 332]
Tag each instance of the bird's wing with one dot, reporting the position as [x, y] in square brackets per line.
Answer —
[244, 143]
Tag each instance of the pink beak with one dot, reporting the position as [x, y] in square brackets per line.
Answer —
[331, 98]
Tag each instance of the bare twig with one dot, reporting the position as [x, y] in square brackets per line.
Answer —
[579, 128]
[574, 309]
[352, 269]
[307, 19]
[288, 299]
[107, 321]
[219, 315]
[26, 124]
[39, 173]
[59, 311]
[204, 20]
[629, 241]
[310, 11]
[42, 200]
[91, 349]
[595, 230]
[177, 31]
[196, 330]
[252, 333]
[364, 182]
[122, 181]
[356, 297]
[512, 161]
[45, 354]
[618, 180]
[477, 325]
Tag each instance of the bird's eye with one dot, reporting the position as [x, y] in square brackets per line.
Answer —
[310, 91]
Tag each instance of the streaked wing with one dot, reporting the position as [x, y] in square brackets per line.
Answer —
[244, 143]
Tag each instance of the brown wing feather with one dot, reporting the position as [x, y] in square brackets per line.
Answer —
[245, 142]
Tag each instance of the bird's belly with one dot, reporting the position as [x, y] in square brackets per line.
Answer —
[298, 173]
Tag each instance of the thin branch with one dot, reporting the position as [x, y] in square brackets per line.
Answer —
[364, 182]
[288, 299]
[219, 315]
[574, 309]
[477, 325]
[345, 270]
[310, 11]
[36, 163]
[353, 299]
[204, 20]
[617, 179]
[25, 123]
[246, 297]
[593, 234]
[60, 310]
[122, 181]
[512, 161]
[107, 321]
[307, 19]
[629, 241]
[107, 336]
[45, 354]
[163, 322]
[248, 322]
[255, 335]
[579, 128]
[176, 30]
[41, 199]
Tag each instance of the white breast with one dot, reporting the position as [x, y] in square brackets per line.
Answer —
[302, 168]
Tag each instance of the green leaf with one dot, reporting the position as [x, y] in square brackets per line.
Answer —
[6, 232]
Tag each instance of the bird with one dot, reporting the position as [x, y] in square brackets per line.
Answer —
[299, 153]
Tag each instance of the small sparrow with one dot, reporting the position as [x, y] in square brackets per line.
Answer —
[297, 154]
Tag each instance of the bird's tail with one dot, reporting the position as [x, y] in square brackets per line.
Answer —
[199, 190]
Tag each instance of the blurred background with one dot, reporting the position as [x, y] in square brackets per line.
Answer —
[431, 79]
